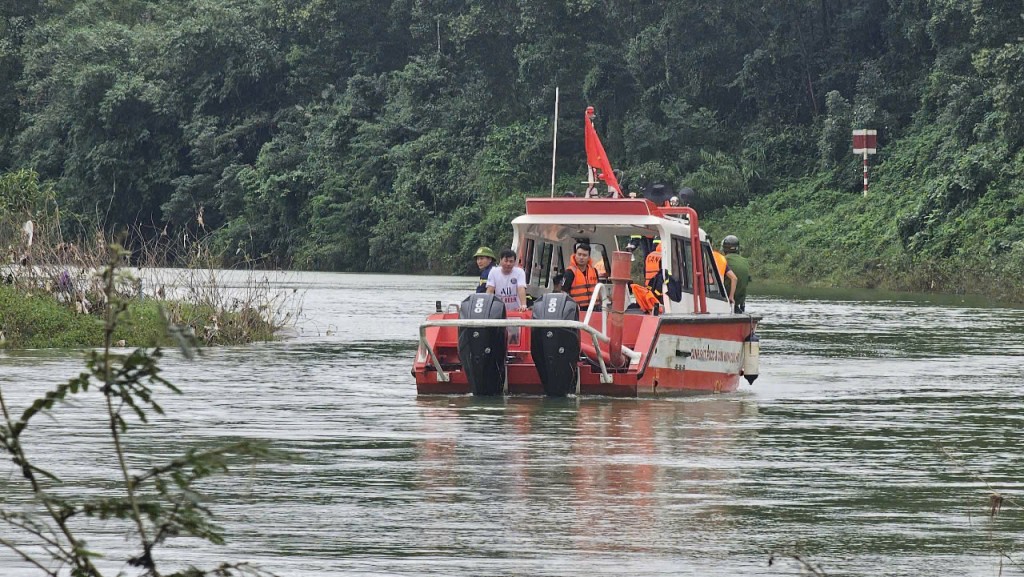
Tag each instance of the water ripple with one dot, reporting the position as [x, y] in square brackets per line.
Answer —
[869, 444]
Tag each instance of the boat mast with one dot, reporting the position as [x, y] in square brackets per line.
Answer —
[554, 146]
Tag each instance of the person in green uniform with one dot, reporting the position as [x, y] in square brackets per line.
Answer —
[485, 260]
[741, 267]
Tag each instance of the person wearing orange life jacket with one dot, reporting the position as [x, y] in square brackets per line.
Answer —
[649, 297]
[652, 264]
[581, 277]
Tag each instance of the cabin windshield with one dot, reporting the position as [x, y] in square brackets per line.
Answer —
[714, 289]
[599, 259]
[546, 249]
[682, 270]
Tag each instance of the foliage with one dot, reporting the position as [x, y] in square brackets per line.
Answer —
[37, 320]
[50, 296]
[958, 231]
[380, 135]
[153, 503]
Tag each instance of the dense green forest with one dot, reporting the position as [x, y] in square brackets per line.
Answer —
[397, 135]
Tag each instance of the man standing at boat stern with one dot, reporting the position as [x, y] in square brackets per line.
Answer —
[581, 278]
[740, 267]
[508, 281]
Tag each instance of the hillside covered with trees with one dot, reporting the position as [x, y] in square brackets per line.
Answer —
[397, 135]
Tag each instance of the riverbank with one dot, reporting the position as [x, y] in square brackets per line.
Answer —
[38, 320]
[811, 234]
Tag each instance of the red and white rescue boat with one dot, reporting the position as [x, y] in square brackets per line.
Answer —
[693, 343]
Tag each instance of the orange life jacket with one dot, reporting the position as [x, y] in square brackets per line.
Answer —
[720, 263]
[645, 298]
[582, 285]
[652, 265]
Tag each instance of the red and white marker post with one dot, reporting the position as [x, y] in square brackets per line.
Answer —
[865, 143]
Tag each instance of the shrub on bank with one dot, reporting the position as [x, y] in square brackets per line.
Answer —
[36, 320]
[52, 297]
[810, 234]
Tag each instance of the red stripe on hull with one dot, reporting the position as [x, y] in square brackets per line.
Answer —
[731, 330]
[602, 206]
[659, 382]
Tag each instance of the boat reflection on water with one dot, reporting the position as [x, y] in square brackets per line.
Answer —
[611, 474]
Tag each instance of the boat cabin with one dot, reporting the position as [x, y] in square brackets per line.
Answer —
[545, 240]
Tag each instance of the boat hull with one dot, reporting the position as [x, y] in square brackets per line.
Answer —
[677, 355]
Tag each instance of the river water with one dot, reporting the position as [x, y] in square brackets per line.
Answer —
[870, 445]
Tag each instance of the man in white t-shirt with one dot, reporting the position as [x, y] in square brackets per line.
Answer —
[508, 282]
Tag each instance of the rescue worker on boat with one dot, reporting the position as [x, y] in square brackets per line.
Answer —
[725, 272]
[581, 277]
[508, 281]
[652, 264]
[741, 268]
[649, 297]
[645, 243]
[485, 260]
[685, 196]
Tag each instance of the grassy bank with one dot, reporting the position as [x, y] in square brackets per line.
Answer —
[956, 231]
[36, 320]
[58, 277]
[32, 320]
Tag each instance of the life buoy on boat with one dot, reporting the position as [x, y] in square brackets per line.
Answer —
[751, 351]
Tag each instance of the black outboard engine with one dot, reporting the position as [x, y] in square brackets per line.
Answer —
[556, 352]
[482, 350]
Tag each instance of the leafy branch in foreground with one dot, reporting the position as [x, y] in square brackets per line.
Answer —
[157, 503]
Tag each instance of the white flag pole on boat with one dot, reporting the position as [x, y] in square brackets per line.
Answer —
[554, 146]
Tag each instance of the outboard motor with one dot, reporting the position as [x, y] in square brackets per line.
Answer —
[482, 350]
[556, 352]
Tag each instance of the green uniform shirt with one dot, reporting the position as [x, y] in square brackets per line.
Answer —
[741, 266]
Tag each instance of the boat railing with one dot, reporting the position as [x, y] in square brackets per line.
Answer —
[594, 299]
[596, 336]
